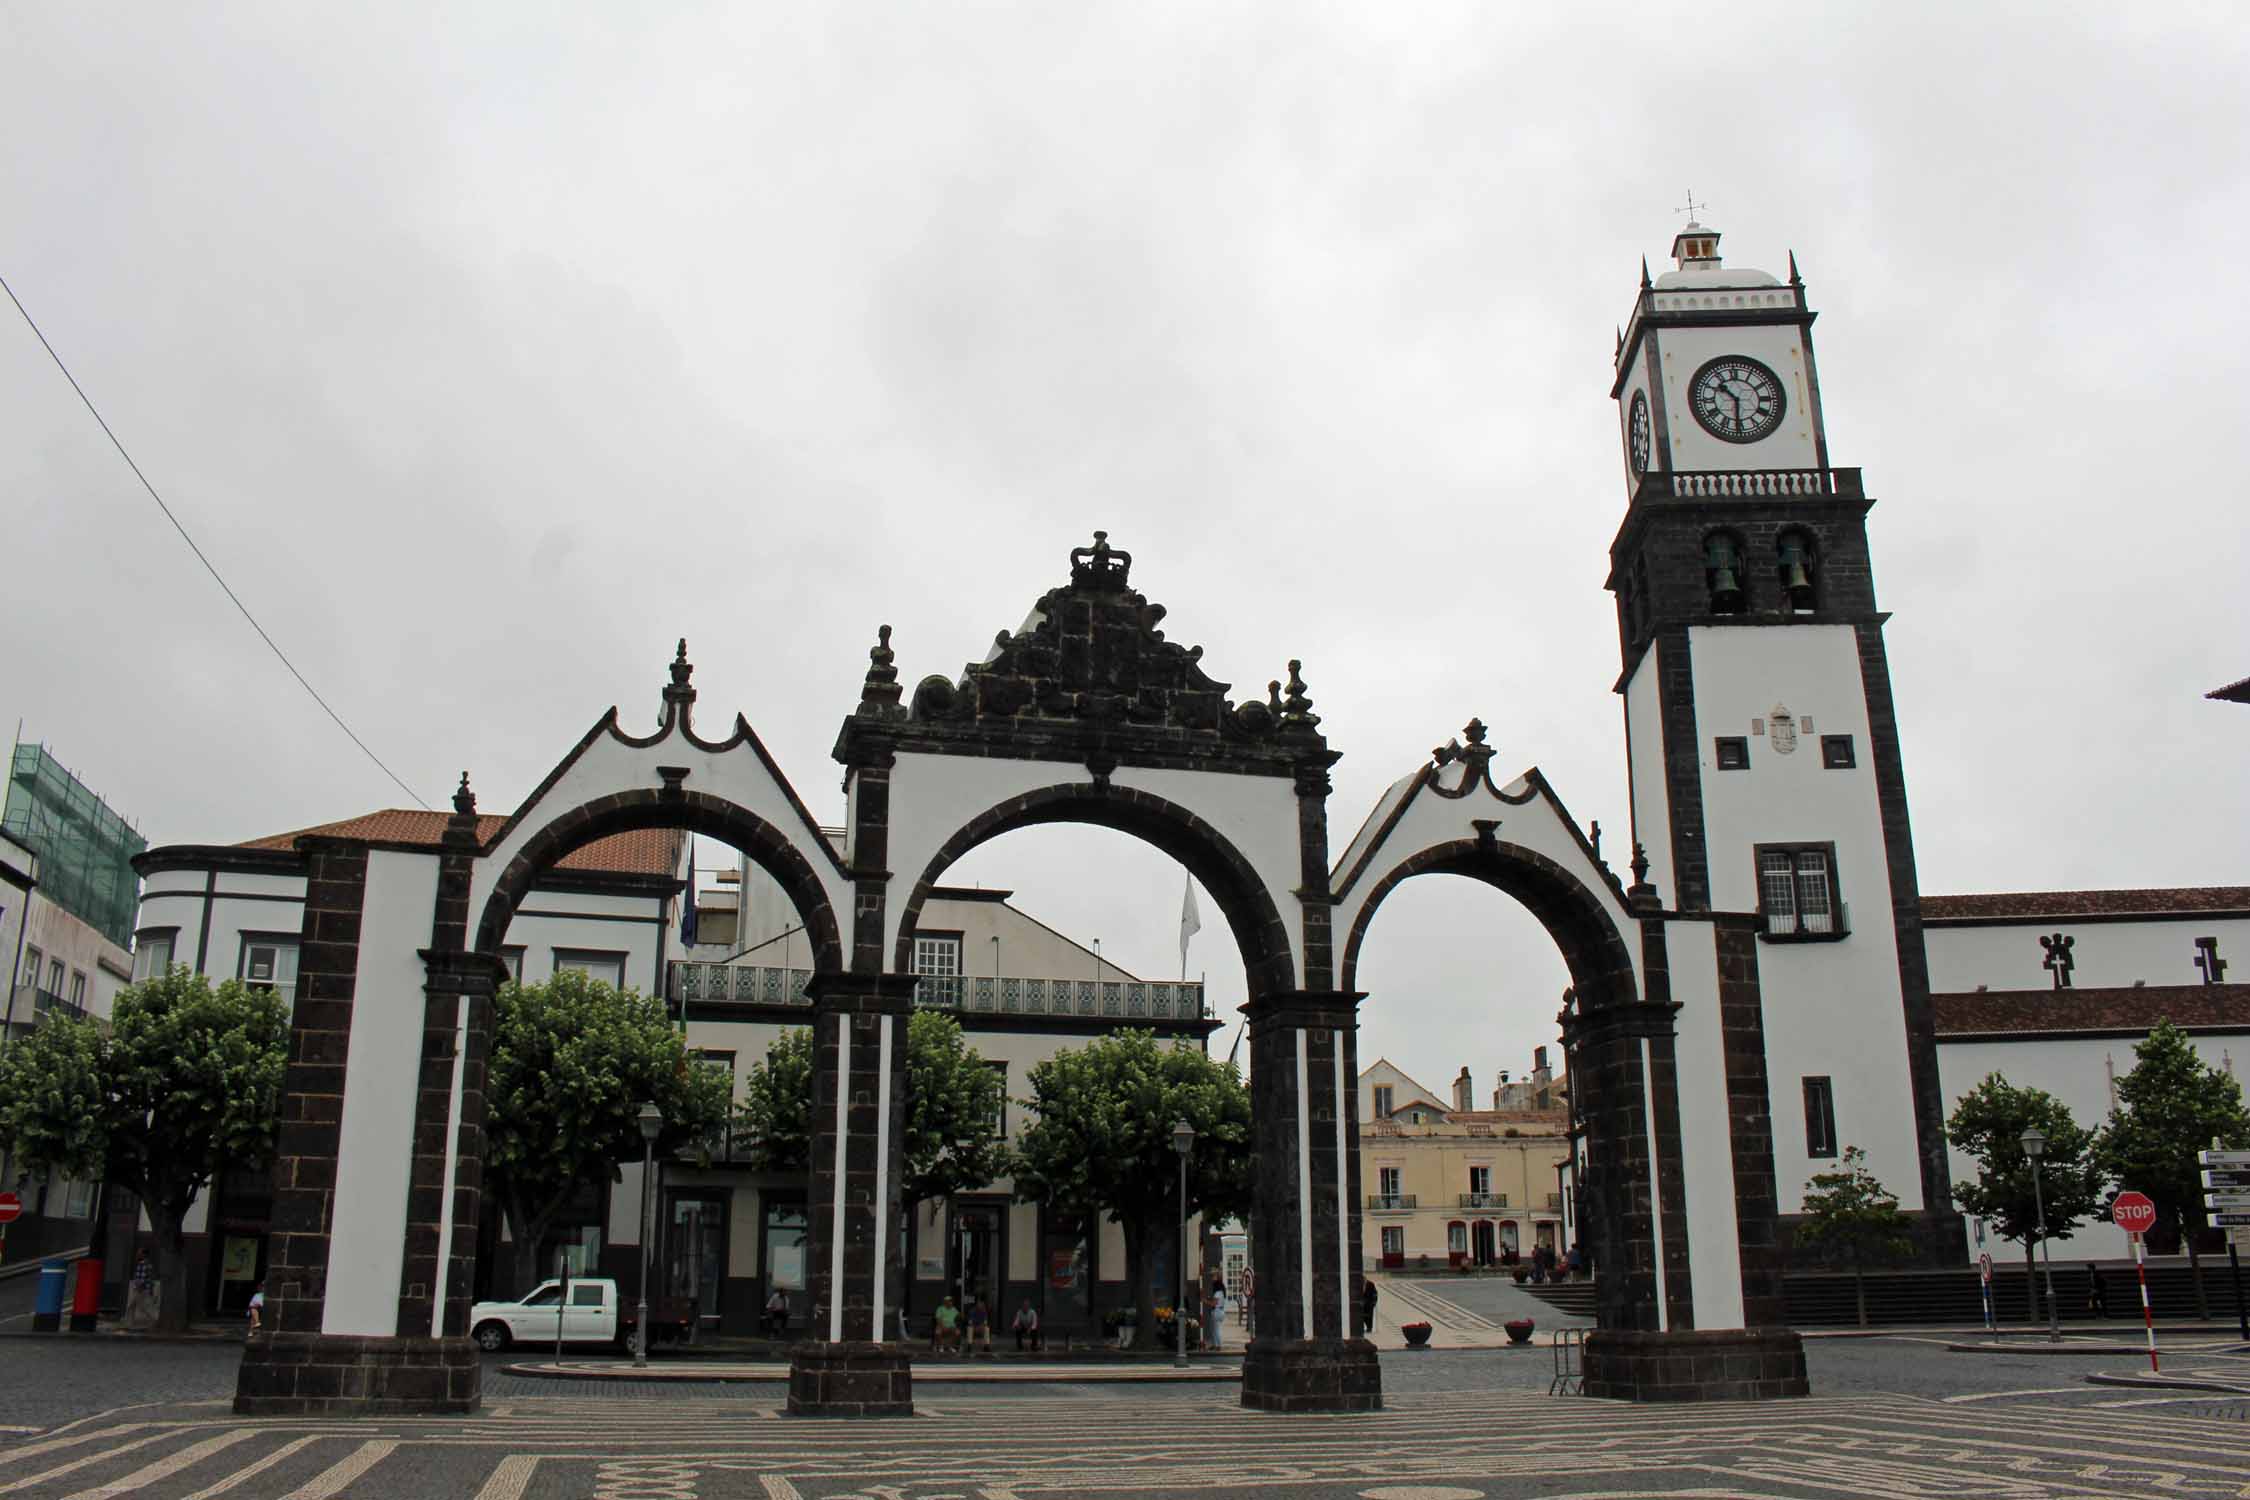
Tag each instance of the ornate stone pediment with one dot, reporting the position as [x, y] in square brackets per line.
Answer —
[1090, 671]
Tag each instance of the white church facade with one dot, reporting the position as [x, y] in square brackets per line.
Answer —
[1769, 961]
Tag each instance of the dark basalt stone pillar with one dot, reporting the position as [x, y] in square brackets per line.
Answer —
[321, 1374]
[1309, 1354]
[848, 1367]
[1718, 1364]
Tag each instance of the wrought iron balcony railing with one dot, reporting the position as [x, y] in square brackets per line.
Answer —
[1121, 1000]
[1391, 1202]
[1484, 1200]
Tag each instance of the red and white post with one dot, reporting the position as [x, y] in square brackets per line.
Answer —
[2148, 1319]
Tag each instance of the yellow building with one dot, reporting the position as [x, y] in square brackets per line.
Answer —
[1450, 1184]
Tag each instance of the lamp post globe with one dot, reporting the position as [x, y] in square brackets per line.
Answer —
[652, 1126]
[1183, 1141]
[2035, 1147]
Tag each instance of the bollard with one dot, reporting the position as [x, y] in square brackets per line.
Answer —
[46, 1313]
[86, 1297]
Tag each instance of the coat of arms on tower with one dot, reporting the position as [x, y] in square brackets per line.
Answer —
[1781, 729]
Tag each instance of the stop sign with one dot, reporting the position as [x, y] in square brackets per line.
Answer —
[11, 1208]
[2134, 1213]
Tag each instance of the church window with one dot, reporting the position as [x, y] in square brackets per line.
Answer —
[1836, 752]
[1734, 753]
[1798, 567]
[1820, 1117]
[1797, 896]
[1722, 573]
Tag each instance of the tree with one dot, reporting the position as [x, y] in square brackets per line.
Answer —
[2172, 1105]
[186, 1082]
[573, 1060]
[1102, 1142]
[953, 1097]
[1988, 1125]
[1850, 1217]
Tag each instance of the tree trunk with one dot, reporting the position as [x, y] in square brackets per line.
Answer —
[2030, 1282]
[1140, 1265]
[1859, 1289]
[171, 1266]
[2195, 1272]
[525, 1230]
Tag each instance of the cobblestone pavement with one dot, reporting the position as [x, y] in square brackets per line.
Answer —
[1458, 1426]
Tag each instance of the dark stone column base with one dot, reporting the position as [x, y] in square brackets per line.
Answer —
[851, 1379]
[318, 1374]
[1311, 1375]
[1724, 1364]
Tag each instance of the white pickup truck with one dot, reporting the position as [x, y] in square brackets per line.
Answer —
[594, 1314]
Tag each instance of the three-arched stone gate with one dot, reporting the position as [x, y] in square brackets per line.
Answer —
[1086, 714]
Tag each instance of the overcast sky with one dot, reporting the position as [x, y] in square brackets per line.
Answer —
[489, 350]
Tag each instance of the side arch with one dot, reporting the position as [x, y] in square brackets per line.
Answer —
[1601, 966]
[1252, 914]
[667, 807]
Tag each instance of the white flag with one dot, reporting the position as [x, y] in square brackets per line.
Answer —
[1191, 922]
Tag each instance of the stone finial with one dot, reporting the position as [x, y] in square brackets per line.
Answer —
[679, 693]
[1296, 704]
[1640, 892]
[1100, 566]
[879, 693]
[464, 800]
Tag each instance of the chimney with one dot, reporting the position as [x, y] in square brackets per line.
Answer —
[1464, 1093]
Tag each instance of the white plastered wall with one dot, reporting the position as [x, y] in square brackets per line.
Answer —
[1706, 1132]
[2007, 956]
[1831, 1009]
[367, 1229]
[1780, 348]
[1652, 803]
[2075, 1070]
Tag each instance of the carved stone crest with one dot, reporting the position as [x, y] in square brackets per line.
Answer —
[1781, 730]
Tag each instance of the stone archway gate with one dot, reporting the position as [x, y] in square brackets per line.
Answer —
[1087, 714]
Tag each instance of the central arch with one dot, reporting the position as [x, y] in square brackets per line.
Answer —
[1260, 932]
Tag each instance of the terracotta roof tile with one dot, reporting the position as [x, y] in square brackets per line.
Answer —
[2052, 1012]
[2159, 901]
[642, 851]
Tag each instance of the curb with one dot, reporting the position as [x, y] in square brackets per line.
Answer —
[2065, 1348]
[940, 1375]
[2169, 1383]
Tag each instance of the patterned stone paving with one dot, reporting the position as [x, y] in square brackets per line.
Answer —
[1158, 1443]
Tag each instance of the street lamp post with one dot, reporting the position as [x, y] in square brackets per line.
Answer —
[652, 1126]
[2035, 1147]
[1183, 1141]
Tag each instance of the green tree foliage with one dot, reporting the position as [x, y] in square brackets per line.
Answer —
[185, 1083]
[2172, 1105]
[1988, 1125]
[573, 1059]
[1850, 1218]
[1101, 1141]
[953, 1097]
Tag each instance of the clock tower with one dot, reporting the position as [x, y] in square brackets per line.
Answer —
[1765, 769]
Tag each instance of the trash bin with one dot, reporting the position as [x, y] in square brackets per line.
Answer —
[86, 1296]
[46, 1313]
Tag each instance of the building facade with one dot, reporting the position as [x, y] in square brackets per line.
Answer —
[1451, 1185]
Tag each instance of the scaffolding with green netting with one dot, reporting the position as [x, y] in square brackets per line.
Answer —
[85, 849]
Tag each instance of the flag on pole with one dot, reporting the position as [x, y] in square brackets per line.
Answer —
[1191, 921]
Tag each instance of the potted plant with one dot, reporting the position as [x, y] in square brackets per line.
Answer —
[1417, 1335]
[1519, 1330]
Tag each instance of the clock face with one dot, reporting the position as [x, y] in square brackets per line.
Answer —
[1636, 432]
[1736, 399]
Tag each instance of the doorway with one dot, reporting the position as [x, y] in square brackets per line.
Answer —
[695, 1249]
[980, 1254]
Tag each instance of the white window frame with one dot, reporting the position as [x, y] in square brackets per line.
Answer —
[282, 979]
[937, 967]
[594, 963]
[145, 947]
[1385, 1099]
[1387, 1184]
[1799, 899]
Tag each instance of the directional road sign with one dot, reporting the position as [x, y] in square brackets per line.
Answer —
[2231, 1220]
[2226, 1197]
[2224, 1158]
[2226, 1177]
[2134, 1213]
[11, 1208]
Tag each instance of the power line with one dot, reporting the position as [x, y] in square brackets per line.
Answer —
[279, 654]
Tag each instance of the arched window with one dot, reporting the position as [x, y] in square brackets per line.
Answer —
[1797, 565]
[1722, 573]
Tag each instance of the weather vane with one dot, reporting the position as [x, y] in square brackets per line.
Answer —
[1693, 208]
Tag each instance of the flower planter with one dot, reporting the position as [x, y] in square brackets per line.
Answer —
[1417, 1335]
[1519, 1330]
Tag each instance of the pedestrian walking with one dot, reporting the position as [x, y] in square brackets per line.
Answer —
[1366, 1306]
[2097, 1300]
[257, 1309]
[1215, 1325]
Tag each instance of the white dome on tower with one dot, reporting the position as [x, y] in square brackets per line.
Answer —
[1695, 250]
